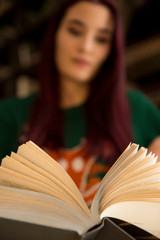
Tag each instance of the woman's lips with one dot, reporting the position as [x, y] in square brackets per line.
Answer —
[81, 62]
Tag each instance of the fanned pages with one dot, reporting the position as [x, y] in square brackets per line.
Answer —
[35, 189]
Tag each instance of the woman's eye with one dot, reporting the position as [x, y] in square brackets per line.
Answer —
[102, 40]
[74, 31]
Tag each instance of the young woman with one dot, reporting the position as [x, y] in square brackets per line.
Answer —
[83, 116]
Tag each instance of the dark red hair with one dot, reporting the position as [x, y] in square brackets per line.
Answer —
[107, 115]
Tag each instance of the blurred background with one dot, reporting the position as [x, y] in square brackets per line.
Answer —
[22, 25]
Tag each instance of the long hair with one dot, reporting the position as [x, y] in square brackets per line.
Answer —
[107, 111]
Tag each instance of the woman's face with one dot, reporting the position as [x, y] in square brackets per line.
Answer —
[83, 41]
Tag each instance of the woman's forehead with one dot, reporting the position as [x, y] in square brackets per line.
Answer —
[90, 14]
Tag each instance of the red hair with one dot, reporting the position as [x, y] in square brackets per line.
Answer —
[107, 110]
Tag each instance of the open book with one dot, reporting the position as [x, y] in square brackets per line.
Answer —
[36, 191]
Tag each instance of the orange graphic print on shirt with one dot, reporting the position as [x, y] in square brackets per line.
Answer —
[86, 172]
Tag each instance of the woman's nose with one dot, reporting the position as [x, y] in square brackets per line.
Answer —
[86, 44]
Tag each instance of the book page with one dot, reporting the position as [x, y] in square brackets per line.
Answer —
[131, 191]
[31, 161]
[40, 158]
[146, 182]
[142, 214]
[129, 152]
[133, 174]
[33, 207]
[56, 187]
[131, 161]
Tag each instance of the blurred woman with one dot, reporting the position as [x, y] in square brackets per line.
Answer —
[83, 116]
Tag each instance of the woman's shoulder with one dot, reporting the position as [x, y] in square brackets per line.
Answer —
[136, 96]
[142, 106]
[16, 109]
[17, 103]
[138, 100]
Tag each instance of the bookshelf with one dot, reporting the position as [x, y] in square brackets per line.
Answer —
[142, 54]
[22, 24]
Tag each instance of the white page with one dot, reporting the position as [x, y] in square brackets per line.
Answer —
[42, 209]
[145, 215]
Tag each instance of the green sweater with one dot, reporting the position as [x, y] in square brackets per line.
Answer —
[14, 113]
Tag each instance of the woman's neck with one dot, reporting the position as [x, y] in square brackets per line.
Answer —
[73, 94]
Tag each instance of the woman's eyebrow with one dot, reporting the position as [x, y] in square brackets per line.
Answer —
[106, 31]
[76, 21]
[101, 30]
